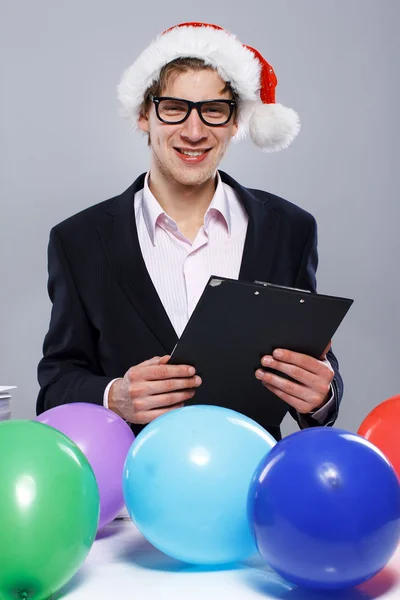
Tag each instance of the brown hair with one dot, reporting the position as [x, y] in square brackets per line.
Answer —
[172, 70]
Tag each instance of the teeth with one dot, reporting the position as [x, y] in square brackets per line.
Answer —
[187, 153]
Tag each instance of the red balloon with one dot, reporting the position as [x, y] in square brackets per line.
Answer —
[382, 428]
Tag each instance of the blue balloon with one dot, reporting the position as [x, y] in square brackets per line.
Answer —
[186, 481]
[325, 509]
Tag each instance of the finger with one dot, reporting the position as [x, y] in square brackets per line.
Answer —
[290, 388]
[318, 382]
[154, 414]
[151, 361]
[309, 363]
[301, 406]
[163, 371]
[165, 386]
[162, 400]
[164, 359]
[156, 360]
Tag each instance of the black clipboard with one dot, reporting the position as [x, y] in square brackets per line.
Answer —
[235, 323]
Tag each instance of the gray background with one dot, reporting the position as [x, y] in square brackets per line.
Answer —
[64, 147]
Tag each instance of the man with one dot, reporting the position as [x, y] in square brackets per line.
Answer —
[125, 275]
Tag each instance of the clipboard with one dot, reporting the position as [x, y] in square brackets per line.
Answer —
[235, 323]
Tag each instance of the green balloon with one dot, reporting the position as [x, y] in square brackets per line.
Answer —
[49, 510]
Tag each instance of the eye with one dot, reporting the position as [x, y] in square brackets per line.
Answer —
[215, 110]
[171, 107]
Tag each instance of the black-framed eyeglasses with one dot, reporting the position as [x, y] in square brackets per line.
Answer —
[173, 111]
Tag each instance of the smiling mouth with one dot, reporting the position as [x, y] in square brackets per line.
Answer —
[192, 153]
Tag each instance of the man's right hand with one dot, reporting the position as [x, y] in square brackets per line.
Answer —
[152, 388]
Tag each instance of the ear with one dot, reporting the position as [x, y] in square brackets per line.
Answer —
[143, 122]
[235, 127]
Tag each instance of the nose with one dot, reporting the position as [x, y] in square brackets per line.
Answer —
[193, 129]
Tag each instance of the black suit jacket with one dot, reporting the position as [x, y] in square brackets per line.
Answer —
[107, 315]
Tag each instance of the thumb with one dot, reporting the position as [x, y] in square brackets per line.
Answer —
[164, 359]
[325, 352]
[151, 361]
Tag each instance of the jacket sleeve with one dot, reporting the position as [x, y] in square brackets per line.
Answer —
[69, 370]
[306, 280]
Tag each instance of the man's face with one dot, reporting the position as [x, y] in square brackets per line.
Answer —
[170, 142]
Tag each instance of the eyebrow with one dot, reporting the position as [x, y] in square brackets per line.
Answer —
[165, 94]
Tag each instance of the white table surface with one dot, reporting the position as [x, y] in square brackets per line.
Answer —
[122, 564]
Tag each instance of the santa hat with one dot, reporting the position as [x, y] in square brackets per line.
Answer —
[271, 126]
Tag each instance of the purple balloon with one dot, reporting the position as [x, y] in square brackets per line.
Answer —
[105, 439]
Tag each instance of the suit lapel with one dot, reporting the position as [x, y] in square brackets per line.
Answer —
[261, 237]
[119, 236]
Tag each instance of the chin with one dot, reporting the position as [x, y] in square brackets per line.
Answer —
[191, 176]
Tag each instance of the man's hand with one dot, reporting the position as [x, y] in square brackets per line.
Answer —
[152, 388]
[313, 377]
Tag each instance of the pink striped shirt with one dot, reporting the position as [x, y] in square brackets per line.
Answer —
[180, 269]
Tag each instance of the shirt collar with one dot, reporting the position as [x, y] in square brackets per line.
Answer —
[220, 204]
[152, 210]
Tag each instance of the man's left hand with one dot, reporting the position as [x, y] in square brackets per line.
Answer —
[313, 377]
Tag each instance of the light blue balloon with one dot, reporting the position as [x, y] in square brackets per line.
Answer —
[186, 481]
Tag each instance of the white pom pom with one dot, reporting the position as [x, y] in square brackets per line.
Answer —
[273, 127]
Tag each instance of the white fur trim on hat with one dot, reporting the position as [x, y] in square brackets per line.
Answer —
[234, 62]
